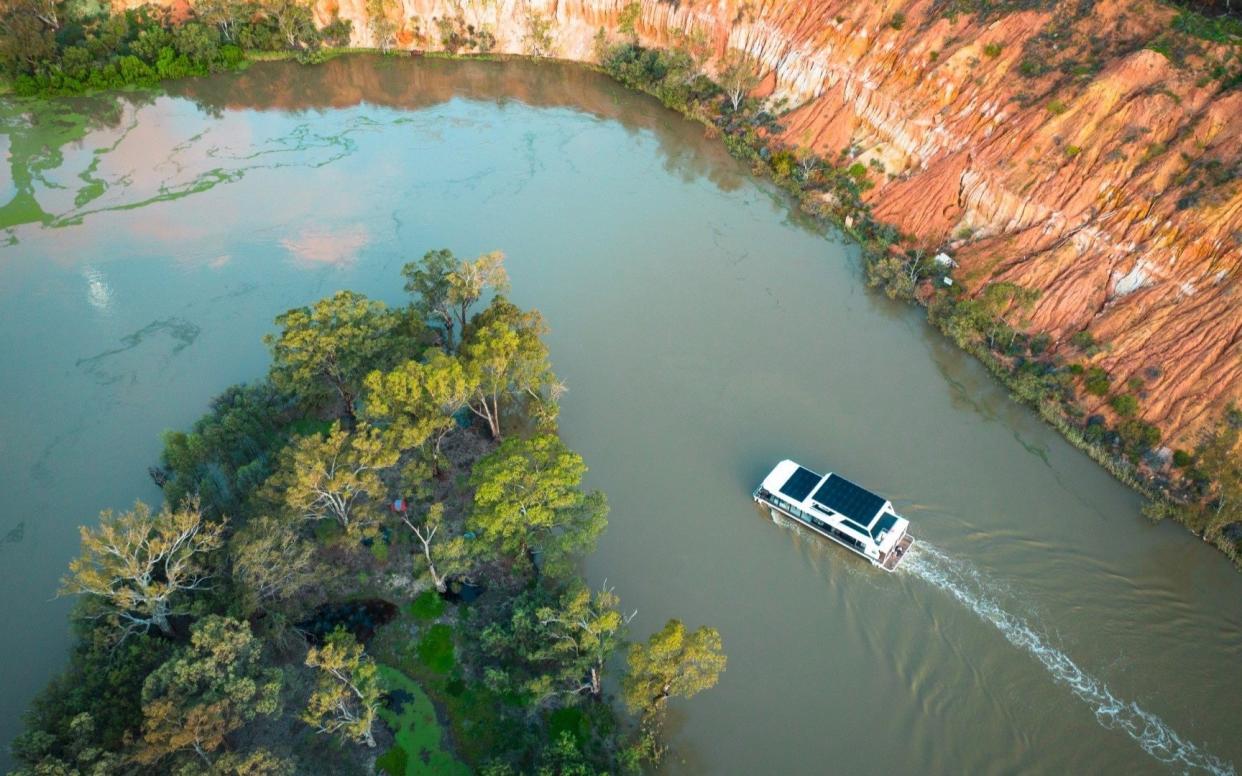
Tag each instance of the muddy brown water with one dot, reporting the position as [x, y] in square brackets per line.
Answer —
[1041, 625]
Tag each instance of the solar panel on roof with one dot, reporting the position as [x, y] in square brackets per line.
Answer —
[800, 483]
[885, 523]
[842, 496]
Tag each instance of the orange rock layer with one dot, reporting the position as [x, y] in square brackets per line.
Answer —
[1112, 182]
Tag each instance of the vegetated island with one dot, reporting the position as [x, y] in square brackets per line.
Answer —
[367, 560]
[1096, 397]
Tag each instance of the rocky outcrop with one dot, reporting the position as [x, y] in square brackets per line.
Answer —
[1051, 147]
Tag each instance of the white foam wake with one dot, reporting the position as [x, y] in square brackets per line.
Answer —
[965, 583]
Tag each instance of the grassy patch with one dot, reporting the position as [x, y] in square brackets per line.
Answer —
[472, 711]
[427, 607]
[419, 738]
[435, 649]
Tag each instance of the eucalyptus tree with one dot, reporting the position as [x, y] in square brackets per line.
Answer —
[329, 347]
[672, 663]
[739, 75]
[471, 279]
[582, 630]
[347, 691]
[445, 288]
[335, 476]
[273, 562]
[446, 556]
[137, 567]
[418, 402]
[506, 360]
[207, 690]
[528, 501]
[428, 281]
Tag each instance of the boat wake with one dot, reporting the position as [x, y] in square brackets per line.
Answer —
[965, 583]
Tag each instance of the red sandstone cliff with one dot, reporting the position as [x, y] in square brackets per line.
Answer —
[1112, 182]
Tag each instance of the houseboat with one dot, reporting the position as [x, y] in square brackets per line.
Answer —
[834, 507]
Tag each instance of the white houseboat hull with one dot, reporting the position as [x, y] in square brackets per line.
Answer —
[858, 520]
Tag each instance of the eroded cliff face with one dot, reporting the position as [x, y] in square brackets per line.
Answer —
[1046, 147]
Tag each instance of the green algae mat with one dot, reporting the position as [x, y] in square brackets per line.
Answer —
[419, 747]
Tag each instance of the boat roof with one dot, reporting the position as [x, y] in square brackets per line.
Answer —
[845, 498]
[800, 484]
[832, 492]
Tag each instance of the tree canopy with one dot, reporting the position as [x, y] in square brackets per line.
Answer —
[335, 477]
[329, 347]
[347, 691]
[528, 501]
[672, 663]
[137, 565]
[207, 690]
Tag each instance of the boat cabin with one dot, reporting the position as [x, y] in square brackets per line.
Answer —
[838, 509]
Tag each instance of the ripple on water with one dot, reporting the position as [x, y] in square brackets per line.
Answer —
[969, 586]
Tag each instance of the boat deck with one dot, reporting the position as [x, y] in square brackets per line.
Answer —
[894, 556]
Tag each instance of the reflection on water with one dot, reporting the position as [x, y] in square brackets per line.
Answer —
[704, 333]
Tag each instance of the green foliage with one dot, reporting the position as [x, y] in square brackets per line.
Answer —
[528, 501]
[393, 762]
[1124, 404]
[324, 351]
[627, 20]
[435, 648]
[335, 477]
[1215, 28]
[552, 645]
[207, 690]
[672, 76]
[347, 689]
[538, 40]
[138, 568]
[1097, 381]
[46, 49]
[672, 663]
[428, 606]
[897, 21]
[506, 671]
[1137, 437]
[739, 75]
[1085, 341]
[228, 451]
[993, 50]
[1182, 459]
[1218, 465]
[507, 363]
[273, 564]
[93, 706]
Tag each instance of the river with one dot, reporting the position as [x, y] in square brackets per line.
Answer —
[1041, 624]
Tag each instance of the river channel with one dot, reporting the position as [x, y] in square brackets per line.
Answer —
[1041, 625]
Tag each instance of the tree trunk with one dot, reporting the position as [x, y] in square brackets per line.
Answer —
[595, 684]
[160, 619]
